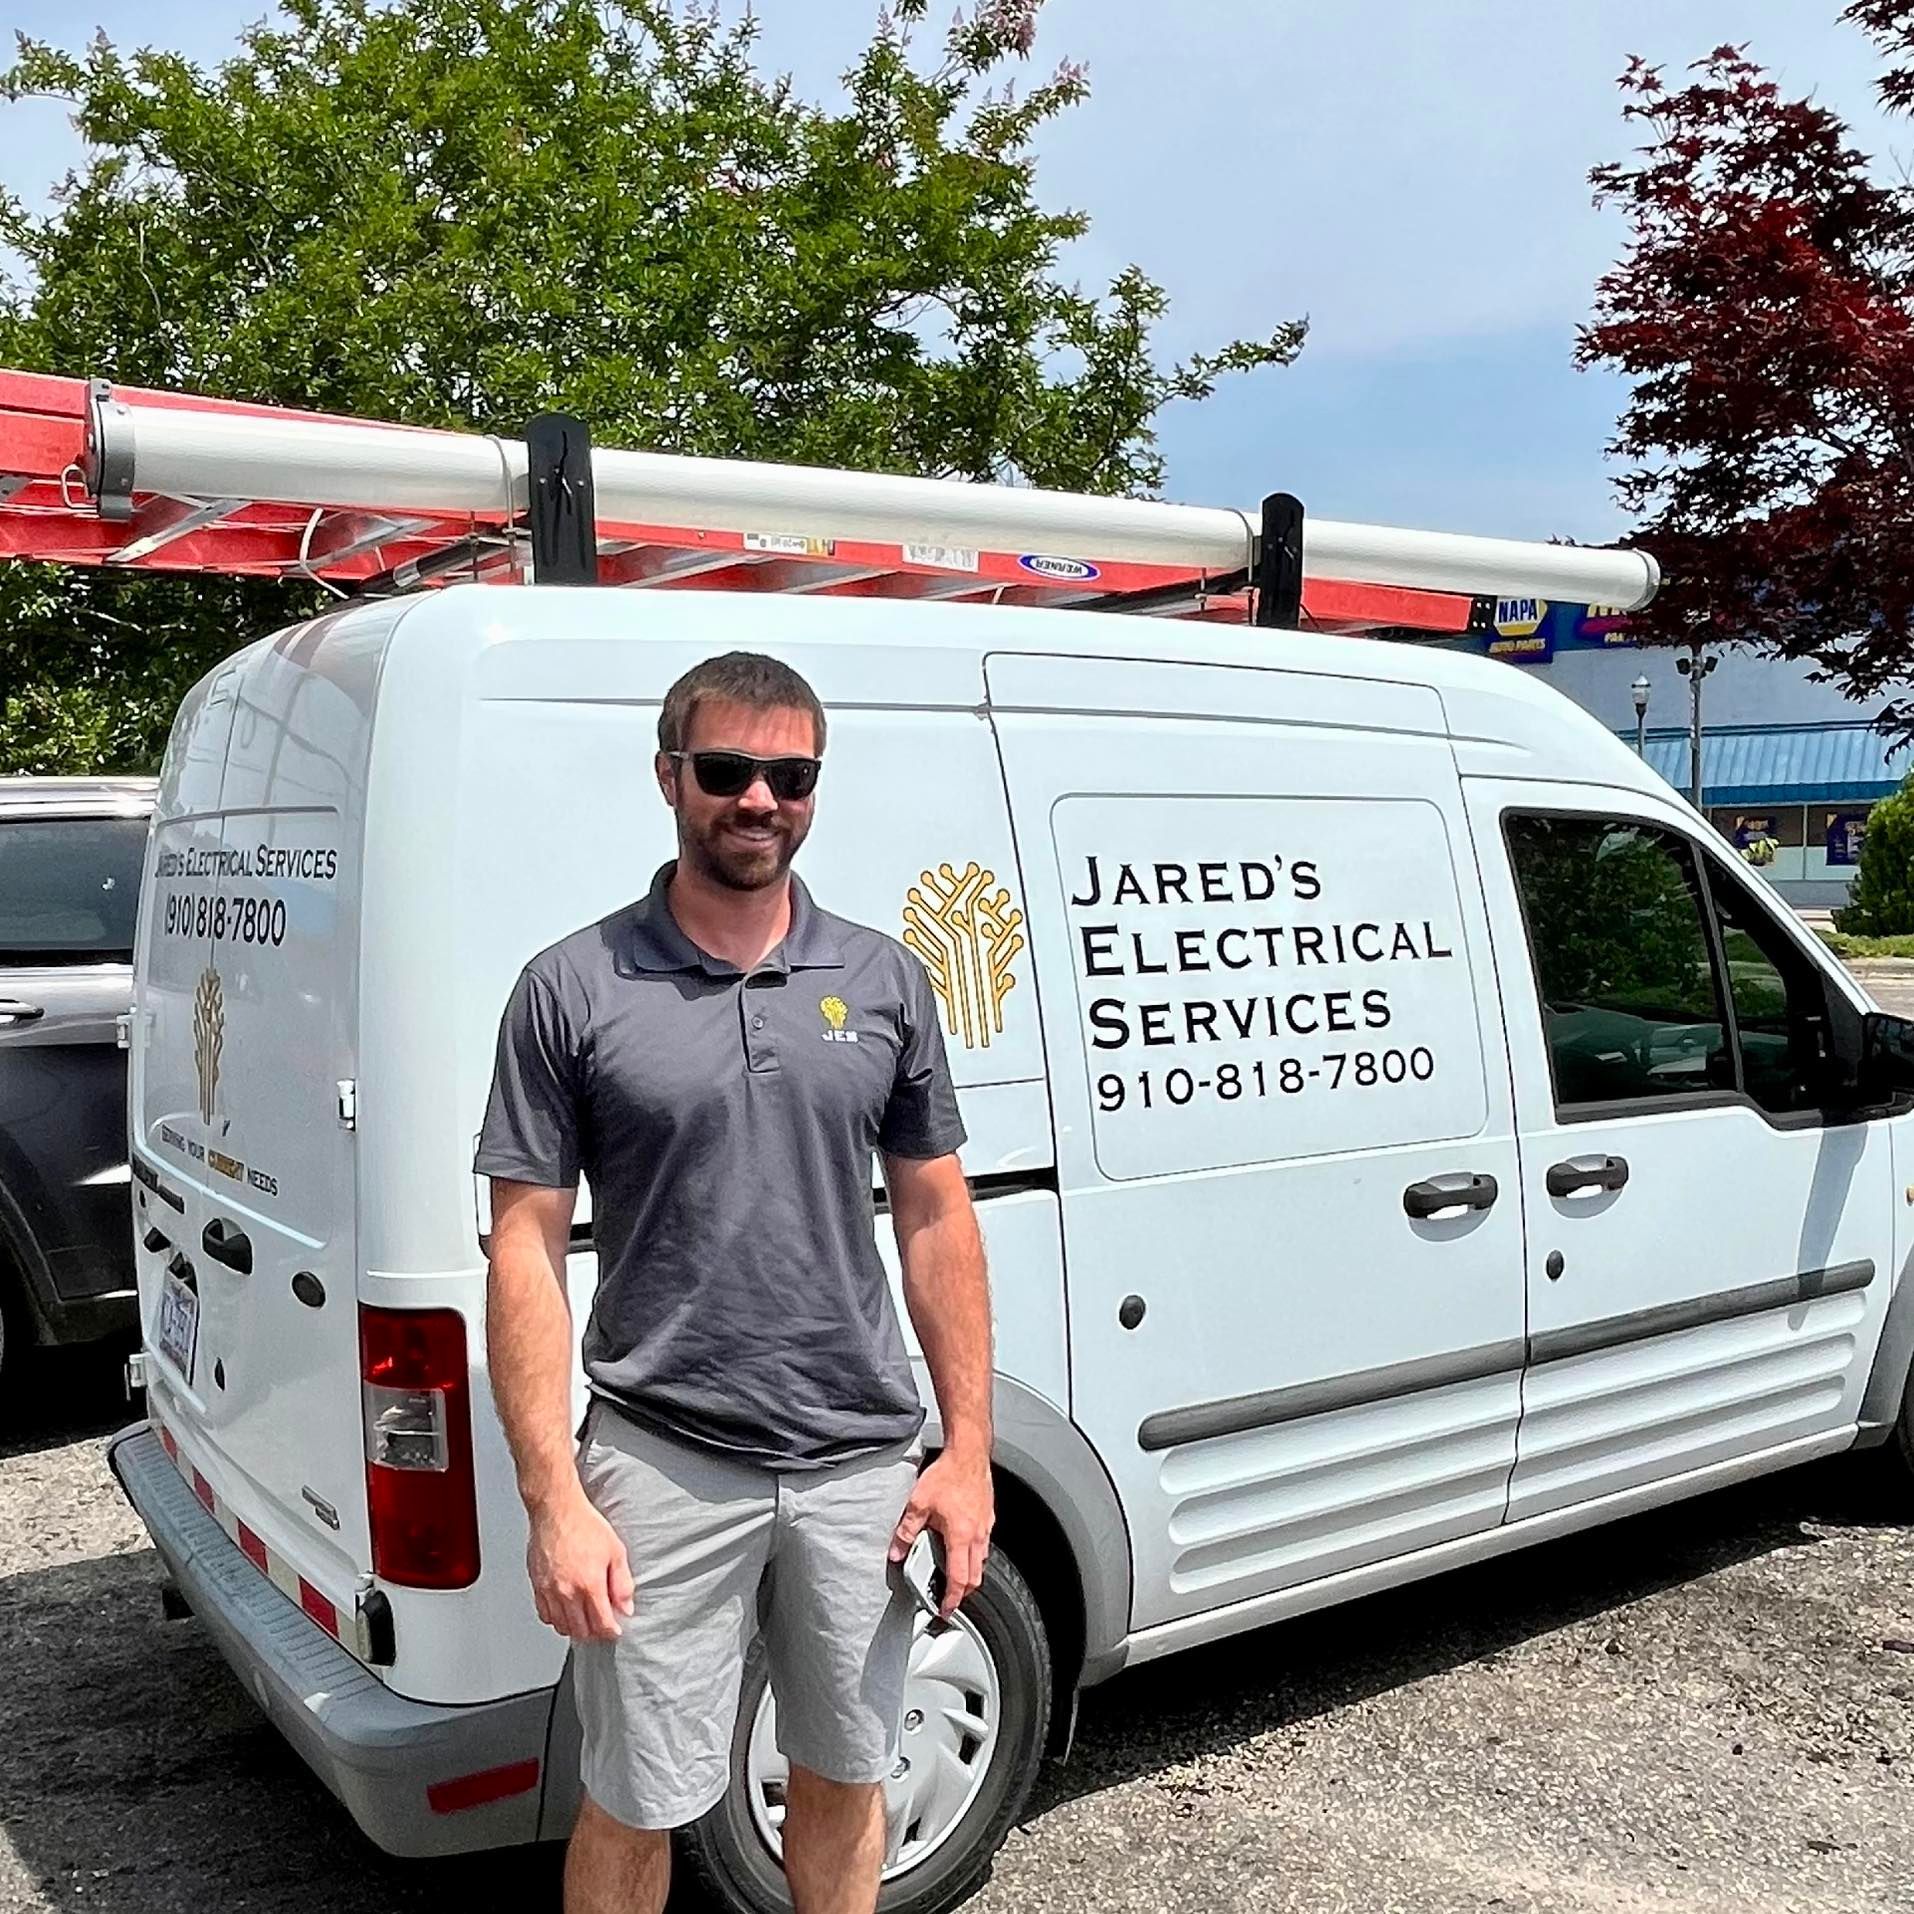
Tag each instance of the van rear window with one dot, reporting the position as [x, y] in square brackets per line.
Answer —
[69, 888]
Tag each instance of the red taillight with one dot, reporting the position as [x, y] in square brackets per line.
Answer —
[420, 1492]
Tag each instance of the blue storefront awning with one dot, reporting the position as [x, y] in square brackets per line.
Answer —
[1784, 763]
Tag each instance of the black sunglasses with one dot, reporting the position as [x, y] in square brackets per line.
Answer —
[729, 774]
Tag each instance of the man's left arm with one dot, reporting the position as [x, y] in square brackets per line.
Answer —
[948, 1296]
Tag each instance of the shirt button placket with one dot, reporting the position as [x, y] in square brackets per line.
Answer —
[760, 1050]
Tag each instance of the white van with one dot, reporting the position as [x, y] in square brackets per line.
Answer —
[1402, 1130]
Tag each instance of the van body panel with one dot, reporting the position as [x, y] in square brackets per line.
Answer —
[172, 946]
[1484, 1545]
[1238, 920]
[259, 1154]
[488, 730]
[1723, 1209]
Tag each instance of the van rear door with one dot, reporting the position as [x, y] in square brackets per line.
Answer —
[244, 1096]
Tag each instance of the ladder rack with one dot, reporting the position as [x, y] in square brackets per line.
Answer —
[93, 474]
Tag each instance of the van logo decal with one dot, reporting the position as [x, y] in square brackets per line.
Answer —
[968, 933]
[834, 1010]
[1045, 565]
[209, 1037]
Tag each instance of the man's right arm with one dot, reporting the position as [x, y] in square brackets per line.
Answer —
[580, 1576]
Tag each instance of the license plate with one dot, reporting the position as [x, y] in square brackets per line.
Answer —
[176, 1329]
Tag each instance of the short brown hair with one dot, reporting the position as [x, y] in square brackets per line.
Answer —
[737, 677]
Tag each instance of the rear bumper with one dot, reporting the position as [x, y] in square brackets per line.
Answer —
[377, 1751]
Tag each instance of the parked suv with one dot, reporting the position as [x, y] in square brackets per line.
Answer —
[70, 857]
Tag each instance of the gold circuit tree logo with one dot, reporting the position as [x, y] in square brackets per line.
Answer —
[967, 931]
[209, 1037]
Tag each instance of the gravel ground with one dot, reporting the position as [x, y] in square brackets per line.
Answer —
[1710, 1708]
[1707, 1708]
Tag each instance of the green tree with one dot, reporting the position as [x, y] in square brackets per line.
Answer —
[463, 212]
[1881, 903]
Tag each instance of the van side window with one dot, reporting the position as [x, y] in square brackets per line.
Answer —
[1780, 1003]
[1631, 1006]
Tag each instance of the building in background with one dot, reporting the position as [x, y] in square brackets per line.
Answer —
[1783, 757]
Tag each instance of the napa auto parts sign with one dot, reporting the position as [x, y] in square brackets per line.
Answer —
[1531, 631]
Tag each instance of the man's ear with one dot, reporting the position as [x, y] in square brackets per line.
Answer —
[667, 771]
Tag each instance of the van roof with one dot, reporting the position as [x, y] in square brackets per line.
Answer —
[1503, 720]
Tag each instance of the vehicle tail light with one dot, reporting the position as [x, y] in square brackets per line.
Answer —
[420, 1492]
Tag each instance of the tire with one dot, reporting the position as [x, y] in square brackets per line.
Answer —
[729, 1851]
[1902, 1440]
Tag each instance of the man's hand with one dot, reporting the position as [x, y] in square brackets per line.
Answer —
[953, 1496]
[581, 1578]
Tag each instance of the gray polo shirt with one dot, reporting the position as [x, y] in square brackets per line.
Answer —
[726, 1122]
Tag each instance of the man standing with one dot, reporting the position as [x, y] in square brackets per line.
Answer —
[721, 1060]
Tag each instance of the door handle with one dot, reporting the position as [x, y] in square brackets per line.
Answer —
[1586, 1175]
[227, 1245]
[1458, 1190]
[12, 1010]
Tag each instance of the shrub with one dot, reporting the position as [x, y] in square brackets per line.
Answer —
[1882, 902]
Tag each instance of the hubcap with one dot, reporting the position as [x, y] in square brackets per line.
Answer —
[952, 1709]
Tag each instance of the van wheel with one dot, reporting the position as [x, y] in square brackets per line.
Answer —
[976, 1719]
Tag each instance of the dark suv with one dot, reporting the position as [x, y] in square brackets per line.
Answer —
[71, 851]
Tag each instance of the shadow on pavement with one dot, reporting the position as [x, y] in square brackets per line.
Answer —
[50, 1397]
[139, 1779]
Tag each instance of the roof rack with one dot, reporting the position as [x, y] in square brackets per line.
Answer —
[96, 474]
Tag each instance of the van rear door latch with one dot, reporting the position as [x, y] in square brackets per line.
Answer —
[349, 1103]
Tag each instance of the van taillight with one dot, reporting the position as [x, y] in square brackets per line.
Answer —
[420, 1491]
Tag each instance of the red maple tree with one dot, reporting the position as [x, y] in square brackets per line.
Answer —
[1764, 313]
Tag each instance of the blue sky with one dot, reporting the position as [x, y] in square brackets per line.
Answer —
[1409, 174]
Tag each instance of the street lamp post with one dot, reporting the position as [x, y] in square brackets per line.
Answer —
[1694, 668]
[1639, 692]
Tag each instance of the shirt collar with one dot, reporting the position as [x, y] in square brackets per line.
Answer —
[657, 943]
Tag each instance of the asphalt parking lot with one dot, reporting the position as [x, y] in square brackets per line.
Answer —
[1709, 1708]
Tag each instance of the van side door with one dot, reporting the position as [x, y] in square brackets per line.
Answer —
[1710, 1231]
[1284, 1131]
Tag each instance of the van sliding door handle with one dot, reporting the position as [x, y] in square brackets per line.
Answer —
[1459, 1190]
[227, 1245]
[12, 1010]
[1587, 1175]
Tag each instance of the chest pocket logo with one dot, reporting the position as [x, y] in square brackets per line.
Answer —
[834, 1011]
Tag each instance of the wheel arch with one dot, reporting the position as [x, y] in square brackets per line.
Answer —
[1059, 1517]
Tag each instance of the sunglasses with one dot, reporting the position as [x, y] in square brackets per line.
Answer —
[729, 774]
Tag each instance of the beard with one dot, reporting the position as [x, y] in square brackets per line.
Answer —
[740, 863]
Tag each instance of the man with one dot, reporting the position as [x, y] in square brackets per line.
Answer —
[721, 1060]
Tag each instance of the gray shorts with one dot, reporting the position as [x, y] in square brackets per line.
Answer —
[728, 1558]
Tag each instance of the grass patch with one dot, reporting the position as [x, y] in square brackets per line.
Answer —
[1843, 945]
